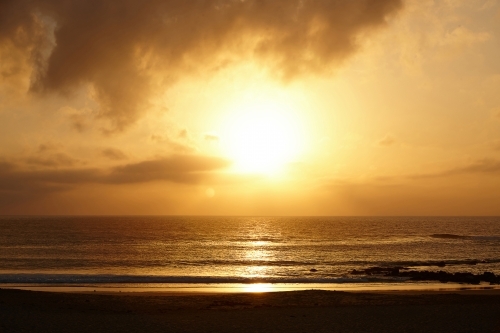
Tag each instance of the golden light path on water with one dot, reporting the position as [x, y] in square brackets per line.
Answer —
[258, 288]
[167, 289]
[259, 251]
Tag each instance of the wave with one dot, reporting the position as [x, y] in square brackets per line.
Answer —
[450, 236]
[449, 262]
[83, 279]
[467, 237]
[338, 267]
[407, 263]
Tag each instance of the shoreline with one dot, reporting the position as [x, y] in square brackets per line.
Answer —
[259, 288]
[289, 311]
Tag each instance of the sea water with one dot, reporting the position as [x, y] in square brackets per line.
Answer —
[174, 250]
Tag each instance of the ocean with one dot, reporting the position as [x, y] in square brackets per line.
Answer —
[169, 251]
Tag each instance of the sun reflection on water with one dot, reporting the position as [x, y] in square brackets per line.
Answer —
[256, 271]
[258, 253]
[258, 288]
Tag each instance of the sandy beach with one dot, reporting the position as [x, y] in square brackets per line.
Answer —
[300, 311]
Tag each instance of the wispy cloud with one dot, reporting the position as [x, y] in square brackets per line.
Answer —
[114, 154]
[211, 137]
[53, 160]
[387, 141]
[486, 166]
[174, 145]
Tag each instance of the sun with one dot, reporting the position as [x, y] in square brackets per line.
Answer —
[262, 135]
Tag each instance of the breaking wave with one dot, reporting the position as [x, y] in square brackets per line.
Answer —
[466, 237]
[83, 279]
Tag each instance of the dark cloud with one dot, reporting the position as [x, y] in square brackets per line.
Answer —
[78, 122]
[117, 46]
[114, 154]
[178, 168]
[20, 184]
[44, 147]
[16, 180]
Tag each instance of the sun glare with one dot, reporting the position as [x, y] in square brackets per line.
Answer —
[258, 288]
[262, 135]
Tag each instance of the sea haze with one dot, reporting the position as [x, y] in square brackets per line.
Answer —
[155, 250]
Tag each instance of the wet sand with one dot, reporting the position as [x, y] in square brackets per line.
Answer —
[297, 311]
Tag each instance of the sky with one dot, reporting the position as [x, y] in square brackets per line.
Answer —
[250, 107]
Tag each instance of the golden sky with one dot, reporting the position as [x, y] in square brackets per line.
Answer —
[250, 107]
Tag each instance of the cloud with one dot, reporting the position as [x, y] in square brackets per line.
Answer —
[462, 36]
[176, 146]
[18, 184]
[184, 134]
[211, 137]
[117, 47]
[488, 5]
[402, 198]
[49, 155]
[114, 154]
[387, 141]
[44, 147]
[78, 122]
[177, 168]
[485, 166]
[14, 180]
[52, 160]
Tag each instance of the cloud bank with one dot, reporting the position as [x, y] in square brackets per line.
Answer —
[484, 166]
[19, 183]
[122, 49]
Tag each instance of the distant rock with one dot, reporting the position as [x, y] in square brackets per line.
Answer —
[441, 276]
[441, 264]
[313, 270]
[489, 277]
